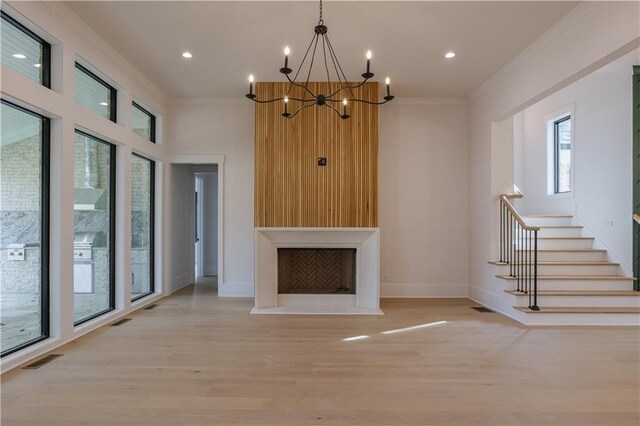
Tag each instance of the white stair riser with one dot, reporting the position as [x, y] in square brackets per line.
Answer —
[578, 285]
[582, 243]
[580, 301]
[568, 256]
[542, 221]
[560, 232]
[569, 269]
[582, 319]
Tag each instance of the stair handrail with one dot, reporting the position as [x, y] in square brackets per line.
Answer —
[505, 199]
[519, 249]
[636, 217]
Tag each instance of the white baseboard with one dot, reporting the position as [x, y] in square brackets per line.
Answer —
[389, 290]
[235, 289]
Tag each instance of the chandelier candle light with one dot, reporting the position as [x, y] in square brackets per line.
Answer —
[310, 99]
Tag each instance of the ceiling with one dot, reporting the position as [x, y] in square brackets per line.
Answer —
[230, 40]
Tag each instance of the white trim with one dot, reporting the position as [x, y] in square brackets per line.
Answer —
[214, 100]
[195, 159]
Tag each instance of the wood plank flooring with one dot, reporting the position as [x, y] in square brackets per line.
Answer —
[199, 360]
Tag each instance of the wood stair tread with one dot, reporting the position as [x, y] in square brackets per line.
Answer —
[546, 215]
[562, 238]
[579, 293]
[577, 250]
[575, 277]
[565, 262]
[580, 310]
[560, 226]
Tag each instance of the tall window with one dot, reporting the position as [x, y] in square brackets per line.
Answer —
[94, 93]
[143, 122]
[94, 226]
[562, 155]
[142, 226]
[24, 228]
[24, 52]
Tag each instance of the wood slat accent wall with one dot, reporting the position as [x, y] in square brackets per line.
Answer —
[291, 190]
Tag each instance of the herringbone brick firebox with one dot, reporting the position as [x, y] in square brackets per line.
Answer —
[316, 271]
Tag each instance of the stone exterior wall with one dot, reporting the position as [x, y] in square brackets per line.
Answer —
[20, 177]
[20, 276]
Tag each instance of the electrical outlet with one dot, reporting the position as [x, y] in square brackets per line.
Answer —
[387, 278]
[610, 223]
[15, 254]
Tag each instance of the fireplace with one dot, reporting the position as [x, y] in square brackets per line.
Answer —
[316, 271]
[326, 271]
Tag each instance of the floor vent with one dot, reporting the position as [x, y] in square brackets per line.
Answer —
[150, 307]
[120, 322]
[481, 309]
[42, 361]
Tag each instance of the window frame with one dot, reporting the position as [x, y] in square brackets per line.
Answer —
[46, 48]
[45, 182]
[556, 154]
[112, 228]
[152, 132]
[113, 92]
[152, 226]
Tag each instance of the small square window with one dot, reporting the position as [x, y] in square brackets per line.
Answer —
[24, 52]
[562, 155]
[143, 123]
[94, 93]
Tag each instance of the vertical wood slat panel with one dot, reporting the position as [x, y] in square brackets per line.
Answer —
[291, 190]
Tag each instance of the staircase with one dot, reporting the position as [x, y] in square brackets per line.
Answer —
[576, 283]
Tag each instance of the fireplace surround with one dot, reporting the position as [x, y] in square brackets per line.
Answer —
[363, 243]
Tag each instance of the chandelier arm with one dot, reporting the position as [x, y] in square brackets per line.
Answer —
[293, 83]
[268, 101]
[340, 67]
[300, 68]
[326, 66]
[300, 109]
[335, 67]
[335, 109]
[344, 88]
[313, 56]
[370, 102]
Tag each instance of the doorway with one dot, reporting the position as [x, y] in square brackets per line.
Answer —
[196, 210]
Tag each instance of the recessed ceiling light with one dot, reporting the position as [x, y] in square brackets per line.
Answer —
[449, 55]
[104, 104]
[19, 56]
[187, 55]
[37, 65]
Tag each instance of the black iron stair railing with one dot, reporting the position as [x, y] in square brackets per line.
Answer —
[519, 249]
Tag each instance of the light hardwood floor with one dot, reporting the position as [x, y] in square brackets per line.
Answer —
[199, 360]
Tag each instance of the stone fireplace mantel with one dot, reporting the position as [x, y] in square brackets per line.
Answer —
[366, 301]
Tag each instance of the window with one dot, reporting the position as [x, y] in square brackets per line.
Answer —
[94, 227]
[143, 123]
[24, 228]
[95, 94]
[25, 52]
[142, 226]
[562, 155]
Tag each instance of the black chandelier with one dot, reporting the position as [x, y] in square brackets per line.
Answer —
[310, 99]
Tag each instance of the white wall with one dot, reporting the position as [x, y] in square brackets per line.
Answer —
[210, 224]
[223, 127]
[424, 198]
[590, 36]
[72, 38]
[423, 160]
[181, 226]
[603, 171]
